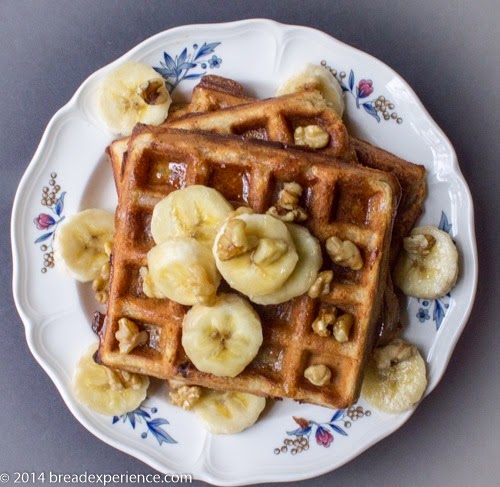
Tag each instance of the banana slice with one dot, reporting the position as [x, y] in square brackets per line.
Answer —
[428, 265]
[255, 253]
[183, 270]
[225, 412]
[312, 76]
[132, 93]
[195, 211]
[79, 243]
[305, 272]
[224, 338]
[107, 391]
[395, 378]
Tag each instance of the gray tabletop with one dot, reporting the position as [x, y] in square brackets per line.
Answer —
[447, 51]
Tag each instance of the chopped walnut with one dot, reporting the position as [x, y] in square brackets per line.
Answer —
[321, 285]
[234, 241]
[129, 336]
[287, 207]
[394, 352]
[148, 286]
[185, 397]
[289, 216]
[326, 318]
[419, 244]
[269, 250]
[319, 375]
[344, 253]
[100, 285]
[203, 288]
[312, 136]
[342, 327]
[288, 197]
[121, 379]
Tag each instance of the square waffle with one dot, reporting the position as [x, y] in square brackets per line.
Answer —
[344, 200]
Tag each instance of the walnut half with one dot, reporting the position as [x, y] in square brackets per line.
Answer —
[129, 336]
[319, 375]
[287, 207]
[121, 379]
[321, 285]
[234, 241]
[312, 136]
[185, 397]
[344, 253]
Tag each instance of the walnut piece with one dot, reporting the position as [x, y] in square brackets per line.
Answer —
[121, 379]
[321, 285]
[394, 352]
[269, 250]
[319, 375]
[287, 207]
[420, 244]
[344, 253]
[342, 327]
[234, 241]
[185, 397]
[312, 136]
[148, 286]
[129, 336]
[326, 318]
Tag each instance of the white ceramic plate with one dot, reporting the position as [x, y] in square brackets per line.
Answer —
[56, 311]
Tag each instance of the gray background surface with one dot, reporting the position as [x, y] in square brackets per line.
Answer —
[447, 51]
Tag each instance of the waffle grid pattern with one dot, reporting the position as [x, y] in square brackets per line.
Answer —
[252, 173]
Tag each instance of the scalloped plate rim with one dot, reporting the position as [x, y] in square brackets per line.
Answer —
[31, 324]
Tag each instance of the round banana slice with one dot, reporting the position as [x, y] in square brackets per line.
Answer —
[80, 241]
[195, 211]
[305, 272]
[184, 270]
[225, 412]
[107, 391]
[255, 253]
[224, 338]
[312, 76]
[427, 266]
[133, 93]
[395, 378]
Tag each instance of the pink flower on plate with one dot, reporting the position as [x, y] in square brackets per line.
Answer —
[323, 437]
[43, 221]
[365, 88]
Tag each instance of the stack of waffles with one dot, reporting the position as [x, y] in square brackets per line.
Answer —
[246, 149]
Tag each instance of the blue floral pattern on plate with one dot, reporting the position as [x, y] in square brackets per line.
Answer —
[152, 425]
[179, 68]
[298, 439]
[53, 200]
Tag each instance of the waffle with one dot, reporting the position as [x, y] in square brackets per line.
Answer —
[348, 201]
[411, 178]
